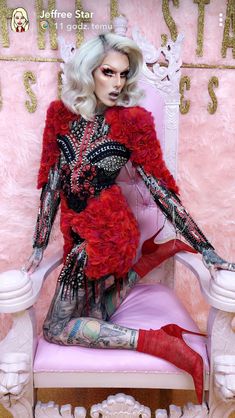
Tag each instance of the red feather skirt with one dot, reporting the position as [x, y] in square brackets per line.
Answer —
[109, 229]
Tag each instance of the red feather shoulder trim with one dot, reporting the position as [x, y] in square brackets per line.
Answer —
[134, 126]
[57, 121]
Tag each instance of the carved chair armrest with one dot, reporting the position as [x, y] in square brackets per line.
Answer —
[45, 268]
[218, 292]
[19, 291]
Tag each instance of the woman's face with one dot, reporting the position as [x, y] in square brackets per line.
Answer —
[19, 19]
[110, 77]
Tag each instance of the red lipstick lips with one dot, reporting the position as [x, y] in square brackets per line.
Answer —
[114, 95]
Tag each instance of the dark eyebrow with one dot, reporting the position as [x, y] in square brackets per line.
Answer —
[114, 69]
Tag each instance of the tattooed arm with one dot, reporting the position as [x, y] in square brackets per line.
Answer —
[49, 203]
[171, 206]
[49, 181]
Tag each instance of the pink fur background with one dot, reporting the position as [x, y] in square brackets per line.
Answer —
[206, 143]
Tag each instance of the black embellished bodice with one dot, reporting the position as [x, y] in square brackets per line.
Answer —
[81, 158]
[90, 160]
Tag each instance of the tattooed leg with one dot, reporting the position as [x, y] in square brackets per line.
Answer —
[62, 327]
[102, 300]
[91, 332]
[94, 300]
[113, 297]
[60, 313]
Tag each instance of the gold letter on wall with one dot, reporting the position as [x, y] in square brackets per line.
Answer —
[184, 104]
[113, 9]
[200, 25]
[169, 20]
[80, 20]
[42, 11]
[212, 107]
[30, 77]
[59, 84]
[5, 13]
[229, 42]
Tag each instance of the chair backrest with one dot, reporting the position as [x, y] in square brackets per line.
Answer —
[161, 87]
[136, 193]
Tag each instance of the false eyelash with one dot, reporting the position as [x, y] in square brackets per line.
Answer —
[125, 74]
[108, 72]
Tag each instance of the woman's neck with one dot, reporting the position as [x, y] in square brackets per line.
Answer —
[100, 108]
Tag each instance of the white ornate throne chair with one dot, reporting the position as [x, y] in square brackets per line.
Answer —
[28, 362]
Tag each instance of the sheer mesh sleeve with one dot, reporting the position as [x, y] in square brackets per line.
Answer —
[49, 181]
[50, 149]
[49, 203]
[148, 159]
[171, 206]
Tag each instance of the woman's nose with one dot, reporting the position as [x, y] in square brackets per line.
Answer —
[117, 80]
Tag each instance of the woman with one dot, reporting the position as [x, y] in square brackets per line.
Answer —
[89, 136]
[19, 20]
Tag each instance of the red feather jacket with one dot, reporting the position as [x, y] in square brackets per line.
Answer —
[79, 164]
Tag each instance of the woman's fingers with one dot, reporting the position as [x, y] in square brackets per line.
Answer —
[225, 265]
[28, 264]
[214, 262]
[34, 260]
[33, 266]
[230, 266]
[212, 269]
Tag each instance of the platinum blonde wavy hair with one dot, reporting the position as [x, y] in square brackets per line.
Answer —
[78, 89]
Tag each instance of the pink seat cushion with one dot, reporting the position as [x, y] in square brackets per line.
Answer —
[147, 306]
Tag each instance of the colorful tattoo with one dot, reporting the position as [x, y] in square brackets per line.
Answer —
[62, 326]
[89, 332]
[114, 296]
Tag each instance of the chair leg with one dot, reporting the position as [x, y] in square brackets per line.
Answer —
[50, 409]
[222, 364]
[16, 379]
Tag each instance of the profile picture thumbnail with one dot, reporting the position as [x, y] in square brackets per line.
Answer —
[19, 20]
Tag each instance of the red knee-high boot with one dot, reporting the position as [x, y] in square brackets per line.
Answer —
[154, 254]
[168, 344]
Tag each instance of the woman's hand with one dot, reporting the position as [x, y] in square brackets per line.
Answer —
[214, 262]
[34, 260]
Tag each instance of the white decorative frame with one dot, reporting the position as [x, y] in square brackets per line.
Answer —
[18, 293]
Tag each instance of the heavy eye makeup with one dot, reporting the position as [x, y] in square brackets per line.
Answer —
[110, 73]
